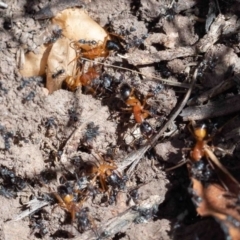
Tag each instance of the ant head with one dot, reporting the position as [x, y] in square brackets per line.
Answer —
[125, 91]
[200, 132]
[64, 190]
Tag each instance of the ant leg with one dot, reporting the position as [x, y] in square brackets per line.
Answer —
[89, 90]
[73, 214]
[190, 126]
[103, 183]
[225, 177]
[149, 95]
[76, 58]
[145, 113]
[74, 45]
[181, 163]
[100, 158]
[60, 201]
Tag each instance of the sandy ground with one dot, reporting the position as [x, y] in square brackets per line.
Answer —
[36, 127]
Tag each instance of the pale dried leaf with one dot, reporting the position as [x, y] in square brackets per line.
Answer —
[32, 206]
[60, 57]
[35, 63]
[76, 25]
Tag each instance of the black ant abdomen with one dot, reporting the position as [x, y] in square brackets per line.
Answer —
[125, 91]
[112, 46]
[146, 129]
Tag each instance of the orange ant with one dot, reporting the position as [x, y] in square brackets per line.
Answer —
[84, 49]
[197, 153]
[102, 170]
[202, 150]
[83, 79]
[200, 134]
[137, 107]
[67, 201]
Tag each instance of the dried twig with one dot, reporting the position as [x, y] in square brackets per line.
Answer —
[164, 81]
[52, 9]
[140, 57]
[32, 206]
[3, 5]
[69, 147]
[212, 109]
[205, 96]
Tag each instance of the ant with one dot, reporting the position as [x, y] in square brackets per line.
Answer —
[7, 24]
[92, 131]
[73, 116]
[107, 81]
[90, 42]
[102, 170]
[87, 78]
[3, 88]
[7, 193]
[145, 214]
[51, 126]
[146, 129]
[23, 84]
[137, 107]
[56, 34]
[200, 134]
[202, 150]
[134, 195]
[84, 79]
[29, 97]
[83, 219]
[7, 135]
[68, 201]
[116, 181]
[50, 123]
[58, 73]
[11, 180]
[38, 224]
[136, 42]
[102, 50]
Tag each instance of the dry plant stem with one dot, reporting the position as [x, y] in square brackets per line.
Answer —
[33, 206]
[212, 109]
[139, 57]
[51, 10]
[213, 34]
[205, 96]
[120, 222]
[134, 157]
[3, 5]
[68, 148]
[167, 82]
[235, 186]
